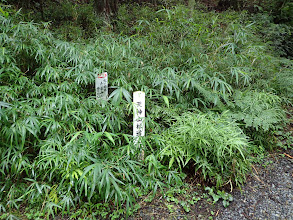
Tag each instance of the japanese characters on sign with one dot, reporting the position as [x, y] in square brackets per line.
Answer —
[138, 115]
[102, 86]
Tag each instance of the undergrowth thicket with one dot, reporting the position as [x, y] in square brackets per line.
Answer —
[214, 94]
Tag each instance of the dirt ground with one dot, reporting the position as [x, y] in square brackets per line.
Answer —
[267, 194]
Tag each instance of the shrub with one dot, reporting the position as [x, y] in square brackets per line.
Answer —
[260, 113]
[259, 110]
[212, 144]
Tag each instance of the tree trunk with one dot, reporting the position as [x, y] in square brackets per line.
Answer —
[226, 4]
[107, 7]
[42, 9]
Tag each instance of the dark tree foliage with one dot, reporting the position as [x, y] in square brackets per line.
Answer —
[108, 7]
[29, 4]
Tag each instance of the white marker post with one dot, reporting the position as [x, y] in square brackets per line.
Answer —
[102, 86]
[139, 118]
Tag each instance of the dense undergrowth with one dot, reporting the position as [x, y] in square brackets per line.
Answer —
[214, 96]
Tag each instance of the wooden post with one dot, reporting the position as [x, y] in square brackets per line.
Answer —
[139, 118]
[102, 86]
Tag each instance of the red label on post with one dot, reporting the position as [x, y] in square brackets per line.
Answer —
[103, 75]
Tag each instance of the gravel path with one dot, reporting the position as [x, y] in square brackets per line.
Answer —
[268, 193]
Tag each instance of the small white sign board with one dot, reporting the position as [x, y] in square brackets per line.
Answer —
[102, 86]
[138, 117]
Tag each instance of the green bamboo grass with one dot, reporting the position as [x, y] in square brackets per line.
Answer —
[212, 144]
[60, 147]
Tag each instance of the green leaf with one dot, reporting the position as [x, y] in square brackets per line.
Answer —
[166, 100]
[109, 136]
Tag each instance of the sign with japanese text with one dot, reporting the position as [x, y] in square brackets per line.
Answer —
[138, 115]
[102, 86]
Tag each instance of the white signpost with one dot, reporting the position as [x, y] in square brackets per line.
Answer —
[102, 86]
[139, 118]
